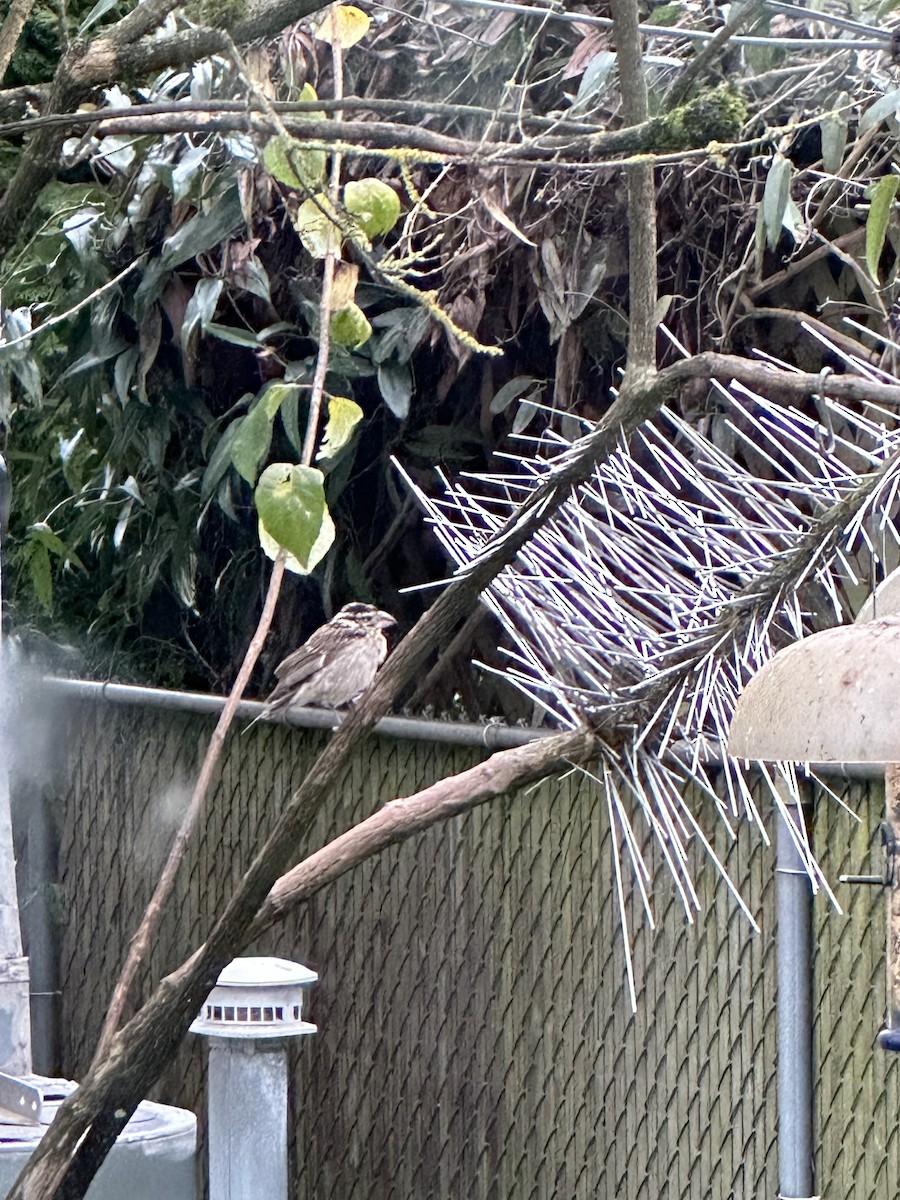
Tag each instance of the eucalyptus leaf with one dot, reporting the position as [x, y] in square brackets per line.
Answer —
[833, 129]
[123, 373]
[252, 277]
[525, 414]
[225, 499]
[219, 461]
[28, 373]
[883, 193]
[184, 580]
[230, 333]
[254, 435]
[204, 230]
[887, 106]
[97, 13]
[290, 420]
[200, 309]
[189, 172]
[95, 358]
[251, 443]
[775, 198]
[403, 330]
[513, 389]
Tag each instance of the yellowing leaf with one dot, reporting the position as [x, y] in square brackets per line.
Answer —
[316, 227]
[883, 193]
[776, 195]
[375, 205]
[343, 24]
[350, 327]
[290, 501]
[343, 417]
[343, 289]
[307, 95]
[294, 164]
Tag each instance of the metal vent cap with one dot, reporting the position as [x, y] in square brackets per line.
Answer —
[257, 998]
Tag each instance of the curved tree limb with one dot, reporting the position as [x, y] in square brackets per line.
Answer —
[504, 772]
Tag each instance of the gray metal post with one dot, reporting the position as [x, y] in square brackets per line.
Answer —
[247, 1119]
[793, 898]
[15, 1002]
[256, 1005]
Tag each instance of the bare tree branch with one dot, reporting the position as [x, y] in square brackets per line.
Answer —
[505, 772]
[774, 382]
[140, 943]
[642, 281]
[16, 16]
[225, 116]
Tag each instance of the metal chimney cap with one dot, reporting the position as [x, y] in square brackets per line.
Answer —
[265, 972]
[831, 697]
[257, 998]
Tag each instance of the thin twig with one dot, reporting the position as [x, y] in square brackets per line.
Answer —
[329, 266]
[140, 943]
[51, 322]
[642, 281]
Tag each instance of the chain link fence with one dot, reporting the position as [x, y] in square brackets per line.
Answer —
[475, 1033]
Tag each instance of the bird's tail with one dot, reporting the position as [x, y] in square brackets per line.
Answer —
[262, 716]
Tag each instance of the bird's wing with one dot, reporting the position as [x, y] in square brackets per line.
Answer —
[298, 667]
[302, 663]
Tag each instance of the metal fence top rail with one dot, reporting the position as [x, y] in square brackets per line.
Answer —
[492, 735]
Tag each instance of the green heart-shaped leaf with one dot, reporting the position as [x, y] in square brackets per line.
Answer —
[291, 504]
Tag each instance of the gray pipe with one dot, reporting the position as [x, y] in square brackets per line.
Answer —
[492, 736]
[793, 951]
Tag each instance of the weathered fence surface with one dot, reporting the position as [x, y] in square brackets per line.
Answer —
[475, 1035]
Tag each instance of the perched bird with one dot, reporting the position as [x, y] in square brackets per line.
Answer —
[336, 664]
